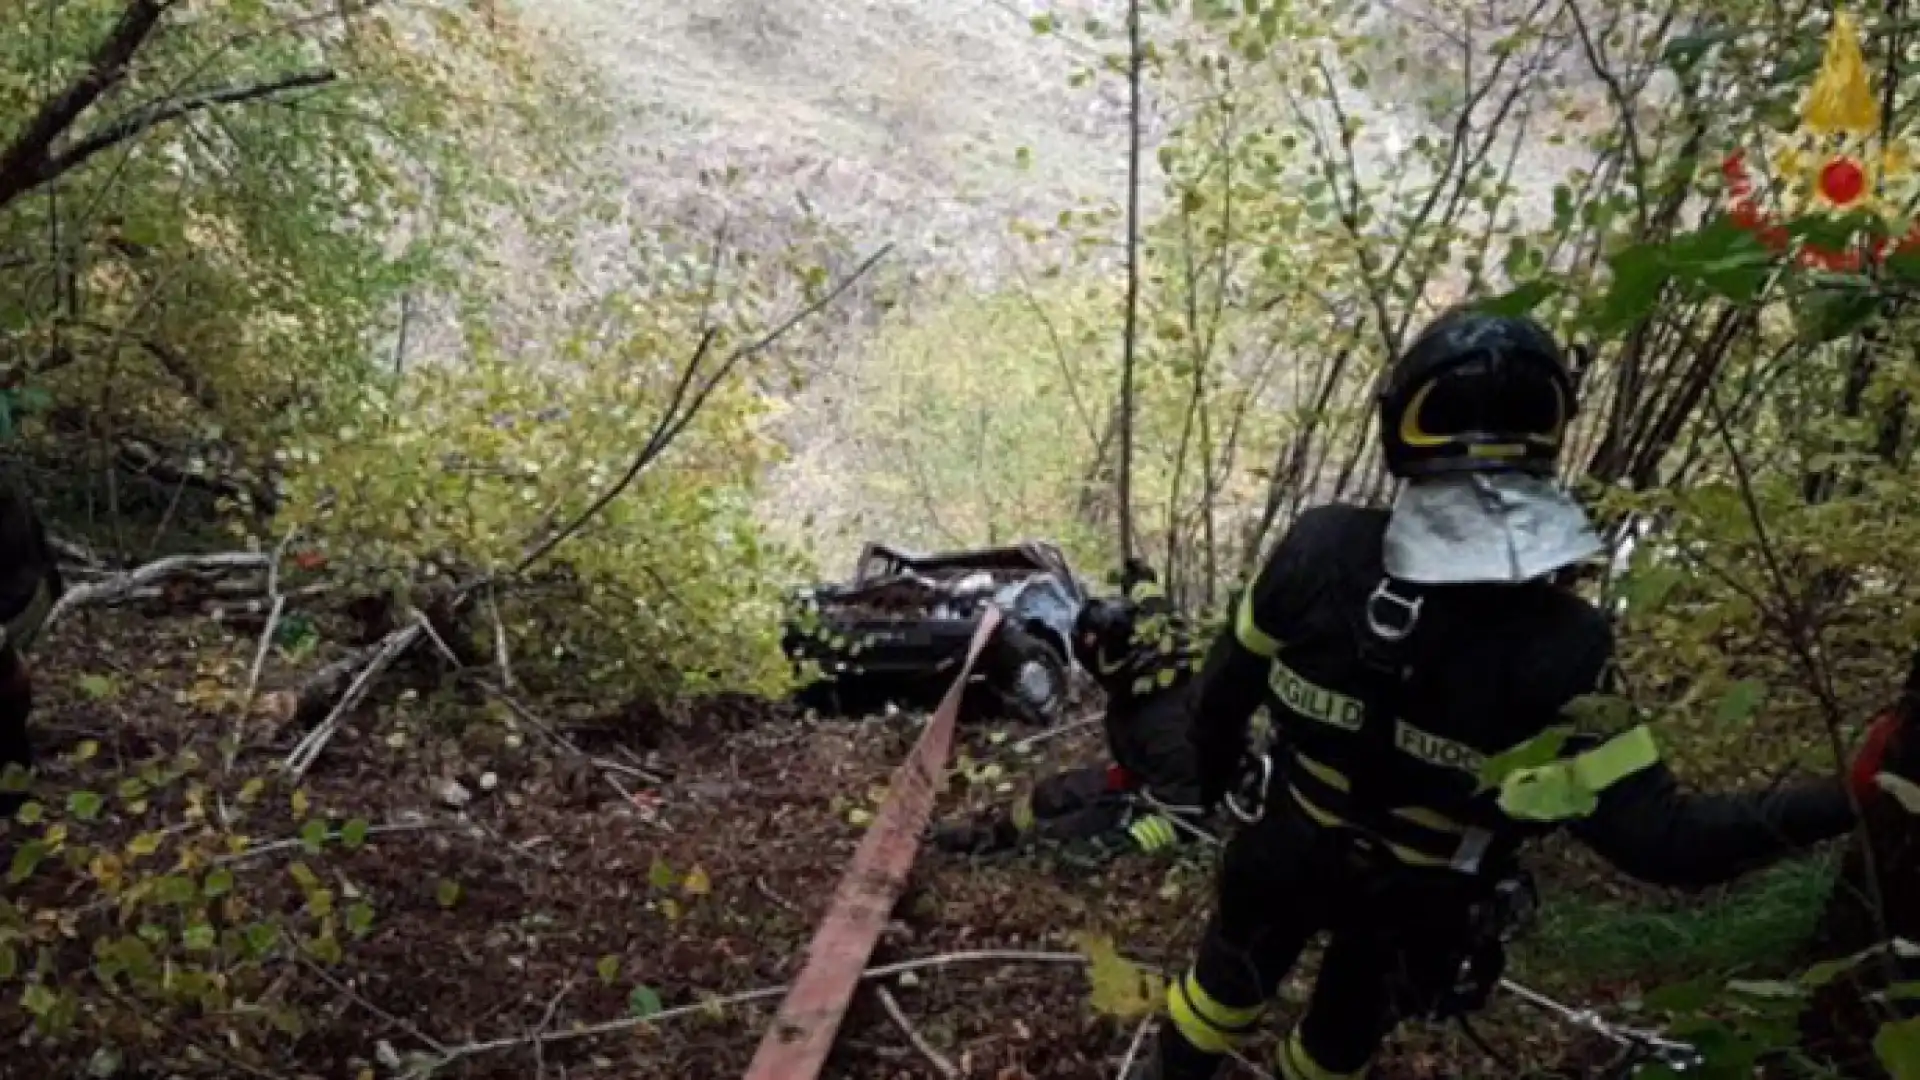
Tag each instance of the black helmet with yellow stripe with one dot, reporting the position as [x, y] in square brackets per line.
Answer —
[1476, 392]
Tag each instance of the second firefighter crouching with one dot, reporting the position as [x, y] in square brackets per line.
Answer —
[1144, 655]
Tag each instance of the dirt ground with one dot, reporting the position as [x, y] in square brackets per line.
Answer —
[704, 885]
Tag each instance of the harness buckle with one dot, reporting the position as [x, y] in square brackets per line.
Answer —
[1247, 802]
[1391, 630]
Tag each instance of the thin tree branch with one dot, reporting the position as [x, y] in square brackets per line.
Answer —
[680, 411]
[151, 116]
[1130, 335]
[24, 159]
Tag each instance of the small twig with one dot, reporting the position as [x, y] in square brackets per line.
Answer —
[266, 636]
[760, 886]
[271, 846]
[500, 642]
[1031, 741]
[1133, 1048]
[357, 998]
[119, 585]
[899, 1017]
[546, 1024]
[639, 774]
[553, 735]
[629, 1023]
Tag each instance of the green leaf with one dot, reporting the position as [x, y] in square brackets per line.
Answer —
[200, 937]
[1724, 258]
[85, 805]
[219, 883]
[1041, 24]
[1646, 590]
[608, 968]
[1740, 701]
[1533, 753]
[9, 962]
[643, 1002]
[1683, 998]
[1686, 50]
[1898, 1048]
[97, 687]
[25, 861]
[1639, 273]
[660, 875]
[360, 919]
[313, 836]
[38, 1000]
[1522, 299]
[15, 778]
[1830, 314]
[447, 893]
[177, 889]
[1766, 988]
[261, 938]
[354, 834]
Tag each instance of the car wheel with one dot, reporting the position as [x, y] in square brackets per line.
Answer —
[1033, 684]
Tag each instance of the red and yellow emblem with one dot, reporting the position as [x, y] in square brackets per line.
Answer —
[1840, 161]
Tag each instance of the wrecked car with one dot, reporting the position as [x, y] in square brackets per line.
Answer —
[899, 629]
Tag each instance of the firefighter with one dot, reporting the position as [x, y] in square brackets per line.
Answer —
[1397, 653]
[29, 584]
[1144, 655]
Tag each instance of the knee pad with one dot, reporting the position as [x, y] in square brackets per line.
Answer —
[1207, 1022]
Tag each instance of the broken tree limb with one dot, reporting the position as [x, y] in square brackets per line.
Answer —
[307, 751]
[122, 585]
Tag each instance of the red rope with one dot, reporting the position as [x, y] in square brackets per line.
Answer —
[796, 1044]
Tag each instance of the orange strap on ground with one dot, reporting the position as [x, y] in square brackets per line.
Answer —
[802, 1033]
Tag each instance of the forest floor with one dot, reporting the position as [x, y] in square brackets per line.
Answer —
[580, 911]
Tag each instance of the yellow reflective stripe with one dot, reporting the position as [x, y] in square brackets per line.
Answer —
[1325, 818]
[1211, 1026]
[1326, 774]
[1023, 813]
[1296, 1064]
[1248, 632]
[1570, 788]
[1430, 819]
[1329, 820]
[1152, 832]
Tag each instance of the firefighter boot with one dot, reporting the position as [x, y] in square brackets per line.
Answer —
[978, 837]
[1172, 1057]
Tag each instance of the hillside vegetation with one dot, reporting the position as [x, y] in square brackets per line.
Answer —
[435, 401]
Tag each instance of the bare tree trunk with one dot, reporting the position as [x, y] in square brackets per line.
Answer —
[1130, 339]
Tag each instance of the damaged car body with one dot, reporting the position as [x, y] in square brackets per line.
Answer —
[898, 630]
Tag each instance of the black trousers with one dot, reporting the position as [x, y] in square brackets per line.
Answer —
[1072, 805]
[1397, 936]
[16, 700]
